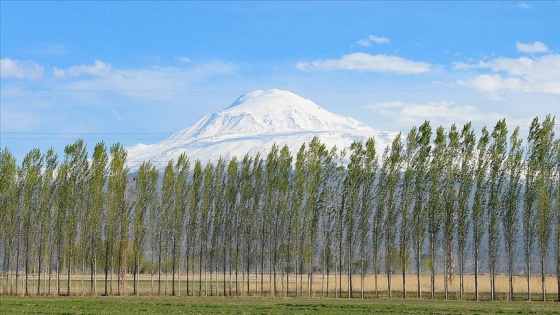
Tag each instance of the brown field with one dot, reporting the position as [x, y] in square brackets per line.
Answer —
[81, 285]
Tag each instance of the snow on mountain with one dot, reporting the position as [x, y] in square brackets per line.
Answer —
[253, 123]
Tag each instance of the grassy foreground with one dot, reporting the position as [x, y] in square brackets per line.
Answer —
[253, 305]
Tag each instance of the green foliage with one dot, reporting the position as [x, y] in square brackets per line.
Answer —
[279, 215]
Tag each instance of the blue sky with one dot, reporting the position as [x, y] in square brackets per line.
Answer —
[137, 72]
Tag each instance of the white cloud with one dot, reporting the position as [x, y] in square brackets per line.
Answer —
[371, 39]
[521, 74]
[143, 83]
[524, 5]
[496, 82]
[183, 59]
[99, 68]
[20, 69]
[367, 62]
[442, 113]
[532, 48]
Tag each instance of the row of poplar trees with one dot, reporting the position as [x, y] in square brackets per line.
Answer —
[274, 224]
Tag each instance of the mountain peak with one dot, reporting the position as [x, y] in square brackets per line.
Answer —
[256, 94]
[269, 100]
[253, 123]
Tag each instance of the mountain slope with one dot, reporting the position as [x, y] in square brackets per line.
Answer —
[253, 123]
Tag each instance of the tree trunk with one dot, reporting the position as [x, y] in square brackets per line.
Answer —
[152, 276]
[69, 278]
[476, 274]
[173, 260]
[510, 279]
[188, 269]
[93, 278]
[224, 269]
[404, 282]
[288, 266]
[40, 267]
[248, 266]
[432, 270]
[461, 275]
[26, 292]
[159, 270]
[445, 273]
[17, 270]
[528, 266]
[58, 290]
[492, 285]
[362, 272]
[543, 279]
[376, 282]
[106, 267]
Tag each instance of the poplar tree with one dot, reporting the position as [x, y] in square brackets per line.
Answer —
[393, 166]
[435, 208]
[466, 178]
[480, 196]
[352, 192]
[76, 184]
[410, 155]
[61, 209]
[30, 177]
[557, 209]
[497, 151]
[419, 219]
[219, 184]
[18, 226]
[117, 202]
[544, 160]
[339, 179]
[255, 179]
[512, 198]
[315, 185]
[154, 230]
[329, 211]
[44, 235]
[269, 211]
[165, 233]
[205, 224]
[8, 210]
[367, 203]
[297, 213]
[529, 211]
[228, 219]
[283, 210]
[450, 205]
[146, 204]
[378, 225]
[97, 180]
[181, 198]
[195, 220]
[246, 219]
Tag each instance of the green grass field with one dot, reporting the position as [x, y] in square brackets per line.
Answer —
[253, 305]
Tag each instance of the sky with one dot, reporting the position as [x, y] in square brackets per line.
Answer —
[136, 72]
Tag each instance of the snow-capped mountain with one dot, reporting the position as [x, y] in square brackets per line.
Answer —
[253, 123]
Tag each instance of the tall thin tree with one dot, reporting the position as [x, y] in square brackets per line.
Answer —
[419, 220]
[544, 160]
[478, 212]
[512, 201]
[393, 166]
[466, 178]
[97, 180]
[410, 155]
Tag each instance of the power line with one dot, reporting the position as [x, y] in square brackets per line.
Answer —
[295, 91]
[135, 133]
